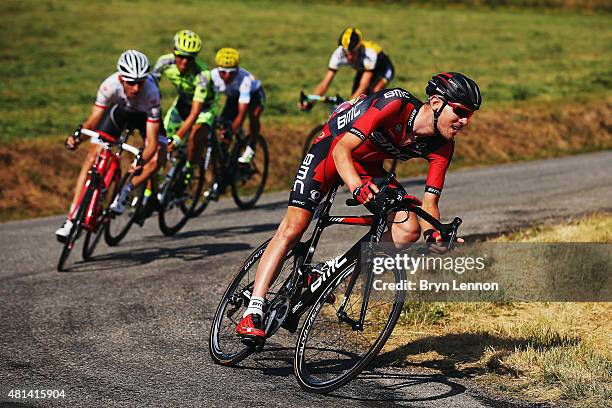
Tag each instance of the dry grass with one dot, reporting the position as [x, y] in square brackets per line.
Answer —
[534, 351]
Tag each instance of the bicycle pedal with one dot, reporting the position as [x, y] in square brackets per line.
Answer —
[255, 343]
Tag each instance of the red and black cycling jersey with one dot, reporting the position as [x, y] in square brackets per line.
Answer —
[384, 122]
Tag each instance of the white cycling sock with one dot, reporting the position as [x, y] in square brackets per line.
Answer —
[255, 306]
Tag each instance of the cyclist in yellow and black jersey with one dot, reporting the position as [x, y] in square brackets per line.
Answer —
[194, 110]
[373, 65]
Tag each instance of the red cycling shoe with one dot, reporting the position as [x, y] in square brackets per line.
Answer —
[251, 328]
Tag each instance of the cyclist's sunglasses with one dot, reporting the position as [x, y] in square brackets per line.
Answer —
[227, 70]
[183, 56]
[133, 83]
[461, 110]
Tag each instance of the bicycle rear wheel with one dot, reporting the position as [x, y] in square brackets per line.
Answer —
[329, 352]
[249, 179]
[75, 231]
[225, 347]
[119, 224]
[310, 138]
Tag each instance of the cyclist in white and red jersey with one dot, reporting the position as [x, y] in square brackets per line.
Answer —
[129, 98]
[244, 95]
[373, 65]
[390, 123]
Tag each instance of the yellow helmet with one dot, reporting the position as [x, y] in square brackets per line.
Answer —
[187, 43]
[351, 38]
[227, 58]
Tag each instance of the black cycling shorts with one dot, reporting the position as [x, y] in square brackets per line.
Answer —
[230, 110]
[116, 120]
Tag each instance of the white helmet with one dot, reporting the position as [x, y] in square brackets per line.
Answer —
[133, 65]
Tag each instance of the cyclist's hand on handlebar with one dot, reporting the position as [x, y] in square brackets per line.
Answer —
[71, 142]
[173, 142]
[365, 192]
[305, 106]
[437, 245]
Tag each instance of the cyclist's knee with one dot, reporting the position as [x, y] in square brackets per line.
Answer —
[293, 225]
[405, 233]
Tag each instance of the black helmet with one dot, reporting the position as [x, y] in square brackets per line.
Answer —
[455, 87]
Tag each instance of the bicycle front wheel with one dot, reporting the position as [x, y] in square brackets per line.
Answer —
[207, 169]
[331, 352]
[179, 197]
[75, 231]
[249, 179]
[119, 225]
[93, 237]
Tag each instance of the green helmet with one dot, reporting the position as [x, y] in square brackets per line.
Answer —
[187, 43]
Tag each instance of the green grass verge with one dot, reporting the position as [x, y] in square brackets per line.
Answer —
[55, 53]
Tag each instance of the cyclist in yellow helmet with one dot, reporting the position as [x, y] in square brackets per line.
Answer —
[373, 65]
[245, 95]
[194, 110]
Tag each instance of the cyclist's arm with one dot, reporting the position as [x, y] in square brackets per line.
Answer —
[242, 111]
[97, 112]
[196, 108]
[364, 83]
[150, 149]
[243, 102]
[430, 204]
[342, 155]
[439, 160]
[323, 86]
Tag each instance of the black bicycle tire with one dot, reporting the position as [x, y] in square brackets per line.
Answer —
[114, 240]
[74, 231]
[309, 139]
[263, 145]
[329, 386]
[88, 246]
[166, 229]
[213, 347]
[199, 209]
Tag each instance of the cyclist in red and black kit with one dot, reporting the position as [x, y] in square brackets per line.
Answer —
[388, 124]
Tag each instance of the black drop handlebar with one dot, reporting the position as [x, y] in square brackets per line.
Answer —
[394, 200]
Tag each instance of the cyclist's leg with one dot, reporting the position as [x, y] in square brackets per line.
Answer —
[383, 76]
[404, 231]
[198, 136]
[314, 178]
[256, 108]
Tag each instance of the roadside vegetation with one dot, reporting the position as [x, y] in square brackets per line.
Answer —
[544, 71]
[532, 351]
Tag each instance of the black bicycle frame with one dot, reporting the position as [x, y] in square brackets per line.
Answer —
[301, 301]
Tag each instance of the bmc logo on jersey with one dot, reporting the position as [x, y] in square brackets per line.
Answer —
[400, 93]
[348, 116]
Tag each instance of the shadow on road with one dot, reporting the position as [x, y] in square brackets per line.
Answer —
[273, 206]
[376, 385]
[232, 231]
[456, 354]
[143, 256]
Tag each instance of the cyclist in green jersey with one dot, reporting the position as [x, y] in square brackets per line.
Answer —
[194, 110]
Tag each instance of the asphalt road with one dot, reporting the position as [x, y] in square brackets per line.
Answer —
[130, 328]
